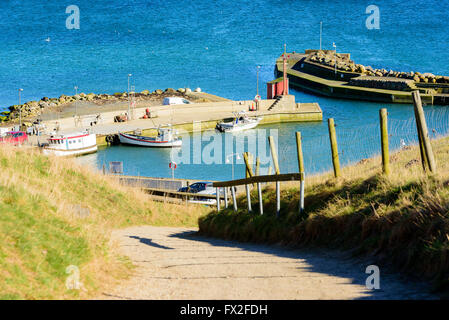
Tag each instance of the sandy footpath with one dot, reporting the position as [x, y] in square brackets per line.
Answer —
[175, 263]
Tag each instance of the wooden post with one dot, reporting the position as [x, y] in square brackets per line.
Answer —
[251, 164]
[301, 171]
[299, 152]
[226, 197]
[334, 147]
[278, 198]
[424, 161]
[257, 166]
[384, 141]
[259, 186]
[274, 154]
[249, 169]
[259, 190]
[234, 199]
[248, 198]
[424, 132]
[277, 171]
[218, 199]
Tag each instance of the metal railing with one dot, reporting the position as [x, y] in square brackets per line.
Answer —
[277, 178]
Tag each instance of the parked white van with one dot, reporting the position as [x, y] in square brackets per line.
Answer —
[174, 100]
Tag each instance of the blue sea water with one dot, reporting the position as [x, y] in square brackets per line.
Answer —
[215, 45]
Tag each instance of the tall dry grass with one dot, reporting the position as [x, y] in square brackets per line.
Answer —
[55, 212]
[401, 219]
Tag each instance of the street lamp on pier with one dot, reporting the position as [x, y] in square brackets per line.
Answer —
[129, 101]
[227, 161]
[76, 101]
[258, 69]
[20, 110]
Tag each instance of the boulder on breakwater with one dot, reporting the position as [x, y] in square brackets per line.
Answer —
[344, 63]
[33, 109]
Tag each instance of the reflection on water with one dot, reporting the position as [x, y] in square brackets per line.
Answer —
[358, 135]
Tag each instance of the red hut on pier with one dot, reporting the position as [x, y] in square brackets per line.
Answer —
[276, 88]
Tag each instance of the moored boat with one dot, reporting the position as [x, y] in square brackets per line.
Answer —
[165, 139]
[72, 144]
[240, 122]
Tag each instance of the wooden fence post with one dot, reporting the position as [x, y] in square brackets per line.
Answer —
[422, 152]
[277, 171]
[259, 186]
[301, 171]
[424, 132]
[257, 166]
[248, 198]
[249, 169]
[234, 199]
[274, 154]
[259, 190]
[384, 141]
[278, 198]
[218, 199]
[249, 172]
[226, 197]
[334, 147]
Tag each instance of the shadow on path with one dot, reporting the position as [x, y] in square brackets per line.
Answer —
[149, 242]
[334, 263]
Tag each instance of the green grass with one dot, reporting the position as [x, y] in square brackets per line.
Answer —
[36, 245]
[42, 232]
[401, 219]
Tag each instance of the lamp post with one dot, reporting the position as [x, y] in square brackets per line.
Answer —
[321, 32]
[227, 161]
[258, 69]
[76, 101]
[129, 102]
[20, 111]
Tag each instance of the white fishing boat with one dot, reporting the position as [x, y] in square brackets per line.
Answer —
[165, 138]
[73, 144]
[240, 122]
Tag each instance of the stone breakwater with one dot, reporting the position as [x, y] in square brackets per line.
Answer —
[32, 109]
[344, 63]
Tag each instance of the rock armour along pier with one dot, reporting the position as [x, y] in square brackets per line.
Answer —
[328, 73]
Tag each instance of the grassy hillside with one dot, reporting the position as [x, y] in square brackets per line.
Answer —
[54, 213]
[402, 219]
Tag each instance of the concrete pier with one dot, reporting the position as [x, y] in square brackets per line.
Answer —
[282, 109]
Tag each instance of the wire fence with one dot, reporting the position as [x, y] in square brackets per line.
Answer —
[362, 142]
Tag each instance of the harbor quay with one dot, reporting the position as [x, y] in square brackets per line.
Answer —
[145, 119]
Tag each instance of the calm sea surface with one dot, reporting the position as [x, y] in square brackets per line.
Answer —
[216, 45]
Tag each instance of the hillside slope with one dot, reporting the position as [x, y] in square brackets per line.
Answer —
[55, 219]
[402, 219]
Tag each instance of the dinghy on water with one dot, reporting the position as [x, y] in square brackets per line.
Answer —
[165, 138]
[240, 122]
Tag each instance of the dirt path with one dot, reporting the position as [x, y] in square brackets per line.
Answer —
[175, 263]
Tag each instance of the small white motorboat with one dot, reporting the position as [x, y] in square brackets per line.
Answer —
[240, 122]
[72, 144]
[165, 138]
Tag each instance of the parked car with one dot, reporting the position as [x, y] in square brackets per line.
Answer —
[203, 187]
[14, 138]
[174, 100]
